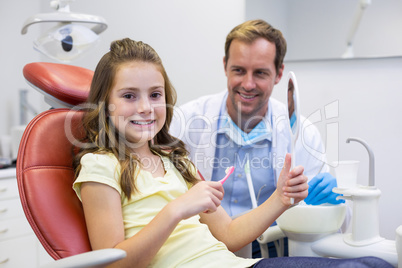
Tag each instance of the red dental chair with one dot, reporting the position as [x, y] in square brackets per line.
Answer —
[45, 174]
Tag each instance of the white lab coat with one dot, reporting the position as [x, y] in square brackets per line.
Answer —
[195, 123]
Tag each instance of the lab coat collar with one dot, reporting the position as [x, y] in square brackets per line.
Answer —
[262, 131]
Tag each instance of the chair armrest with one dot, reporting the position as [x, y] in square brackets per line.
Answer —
[92, 259]
[271, 234]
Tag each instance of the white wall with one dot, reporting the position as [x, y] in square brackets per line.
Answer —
[15, 52]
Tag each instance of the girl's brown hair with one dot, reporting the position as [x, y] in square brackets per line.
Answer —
[102, 137]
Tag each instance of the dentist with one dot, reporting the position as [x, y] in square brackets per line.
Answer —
[245, 125]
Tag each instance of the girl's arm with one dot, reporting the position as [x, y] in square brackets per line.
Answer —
[243, 230]
[103, 215]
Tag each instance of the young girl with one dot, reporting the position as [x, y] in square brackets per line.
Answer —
[140, 192]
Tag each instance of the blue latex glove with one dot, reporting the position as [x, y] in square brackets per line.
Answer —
[320, 190]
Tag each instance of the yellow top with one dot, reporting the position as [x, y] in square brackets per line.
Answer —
[191, 244]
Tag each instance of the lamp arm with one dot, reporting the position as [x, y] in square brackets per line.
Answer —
[358, 16]
[66, 17]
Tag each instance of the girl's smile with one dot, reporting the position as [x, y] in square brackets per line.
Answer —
[143, 123]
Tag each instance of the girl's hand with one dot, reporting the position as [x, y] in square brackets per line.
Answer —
[205, 196]
[292, 183]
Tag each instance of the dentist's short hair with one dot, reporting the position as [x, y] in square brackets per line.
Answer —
[251, 30]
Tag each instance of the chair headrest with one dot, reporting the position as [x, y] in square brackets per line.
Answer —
[67, 83]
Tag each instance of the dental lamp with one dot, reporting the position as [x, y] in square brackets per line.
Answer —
[363, 5]
[71, 37]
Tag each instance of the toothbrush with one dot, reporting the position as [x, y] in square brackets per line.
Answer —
[228, 172]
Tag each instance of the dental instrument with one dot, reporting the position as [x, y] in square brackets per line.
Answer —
[250, 184]
[228, 172]
[293, 105]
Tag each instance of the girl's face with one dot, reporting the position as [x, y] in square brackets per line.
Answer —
[137, 106]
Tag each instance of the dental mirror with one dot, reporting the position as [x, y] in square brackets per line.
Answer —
[294, 116]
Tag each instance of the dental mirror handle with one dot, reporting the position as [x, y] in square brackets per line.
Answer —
[293, 159]
[292, 166]
[293, 105]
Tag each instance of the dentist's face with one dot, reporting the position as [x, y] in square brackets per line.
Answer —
[251, 77]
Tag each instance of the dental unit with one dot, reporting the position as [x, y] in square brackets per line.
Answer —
[314, 230]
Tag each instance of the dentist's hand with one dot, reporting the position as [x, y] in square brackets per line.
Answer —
[320, 190]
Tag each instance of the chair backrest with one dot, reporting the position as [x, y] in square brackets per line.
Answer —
[45, 176]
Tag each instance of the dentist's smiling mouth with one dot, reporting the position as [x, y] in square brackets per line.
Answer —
[247, 97]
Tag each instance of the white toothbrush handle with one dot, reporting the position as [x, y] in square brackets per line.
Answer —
[251, 190]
